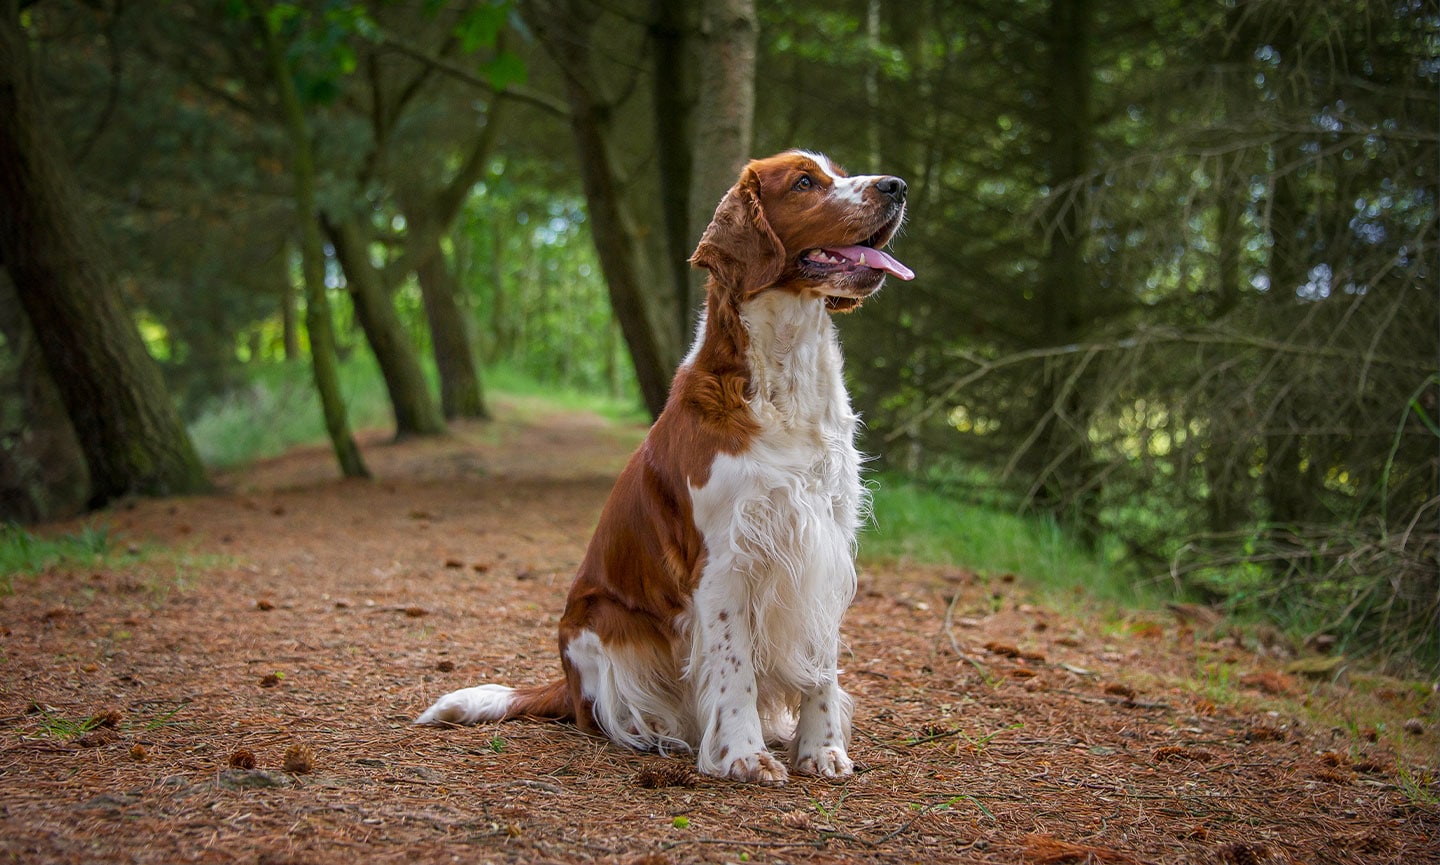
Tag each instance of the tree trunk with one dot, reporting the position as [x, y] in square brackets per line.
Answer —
[1292, 493]
[461, 395]
[128, 428]
[642, 295]
[1058, 460]
[289, 308]
[42, 469]
[674, 107]
[724, 120]
[318, 323]
[429, 215]
[415, 411]
[1070, 131]
[502, 329]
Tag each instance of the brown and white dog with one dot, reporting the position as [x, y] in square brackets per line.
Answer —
[706, 614]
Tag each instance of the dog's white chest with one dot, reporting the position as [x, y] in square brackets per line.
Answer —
[779, 519]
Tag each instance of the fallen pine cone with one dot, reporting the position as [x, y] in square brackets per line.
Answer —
[241, 759]
[667, 775]
[299, 759]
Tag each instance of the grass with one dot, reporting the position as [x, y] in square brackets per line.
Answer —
[913, 523]
[279, 409]
[24, 553]
[53, 726]
[160, 570]
[507, 383]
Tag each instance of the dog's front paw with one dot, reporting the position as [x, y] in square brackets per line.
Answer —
[761, 768]
[827, 762]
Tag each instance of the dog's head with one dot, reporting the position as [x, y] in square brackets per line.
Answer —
[796, 222]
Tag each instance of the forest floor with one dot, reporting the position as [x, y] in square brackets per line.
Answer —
[149, 707]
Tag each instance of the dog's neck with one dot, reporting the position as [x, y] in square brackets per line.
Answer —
[796, 379]
[783, 349]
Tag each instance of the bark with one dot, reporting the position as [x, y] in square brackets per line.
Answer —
[289, 308]
[1057, 464]
[1226, 467]
[42, 469]
[724, 124]
[415, 410]
[674, 108]
[461, 394]
[318, 323]
[1293, 494]
[642, 298]
[429, 217]
[131, 434]
[502, 332]
[1069, 158]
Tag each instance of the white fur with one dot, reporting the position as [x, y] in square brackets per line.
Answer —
[469, 706]
[779, 524]
[850, 190]
[759, 648]
[635, 701]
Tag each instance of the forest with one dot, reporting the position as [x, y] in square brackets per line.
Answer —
[327, 325]
[1177, 260]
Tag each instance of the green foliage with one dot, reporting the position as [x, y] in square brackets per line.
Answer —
[506, 381]
[542, 307]
[319, 43]
[1233, 381]
[24, 553]
[279, 408]
[1241, 395]
[911, 521]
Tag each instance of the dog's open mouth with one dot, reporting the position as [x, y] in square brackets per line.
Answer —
[851, 258]
[864, 255]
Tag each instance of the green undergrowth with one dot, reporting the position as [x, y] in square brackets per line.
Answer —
[154, 571]
[910, 522]
[279, 409]
[504, 384]
[24, 553]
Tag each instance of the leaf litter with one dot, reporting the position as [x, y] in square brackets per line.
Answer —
[260, 710]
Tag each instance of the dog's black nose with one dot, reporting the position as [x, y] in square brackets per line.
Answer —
[893, 187]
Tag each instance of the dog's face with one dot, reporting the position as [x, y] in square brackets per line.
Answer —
[797, 222]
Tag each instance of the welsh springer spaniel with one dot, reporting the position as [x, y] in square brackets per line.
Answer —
[706, 614]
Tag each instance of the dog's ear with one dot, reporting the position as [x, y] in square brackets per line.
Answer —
[739, 248]
[842, 304]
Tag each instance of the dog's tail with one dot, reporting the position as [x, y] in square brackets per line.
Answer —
[499, 703]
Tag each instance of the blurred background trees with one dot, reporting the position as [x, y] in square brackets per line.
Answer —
[1177, 260]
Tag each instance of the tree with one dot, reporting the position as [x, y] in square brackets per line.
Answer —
[318, 324]
[415, 411]
[130, 432]
[42, 469]
[726, 45]
[651, 165]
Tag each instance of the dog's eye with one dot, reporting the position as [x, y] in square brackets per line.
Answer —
[803, 183]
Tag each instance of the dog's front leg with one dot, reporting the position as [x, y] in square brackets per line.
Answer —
[823, 732]
[732, 744]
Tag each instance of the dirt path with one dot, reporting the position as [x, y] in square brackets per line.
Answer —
[317, 617]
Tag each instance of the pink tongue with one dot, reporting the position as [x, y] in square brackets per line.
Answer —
[874, 258]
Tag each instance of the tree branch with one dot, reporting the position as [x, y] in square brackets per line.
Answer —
[520, 93]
